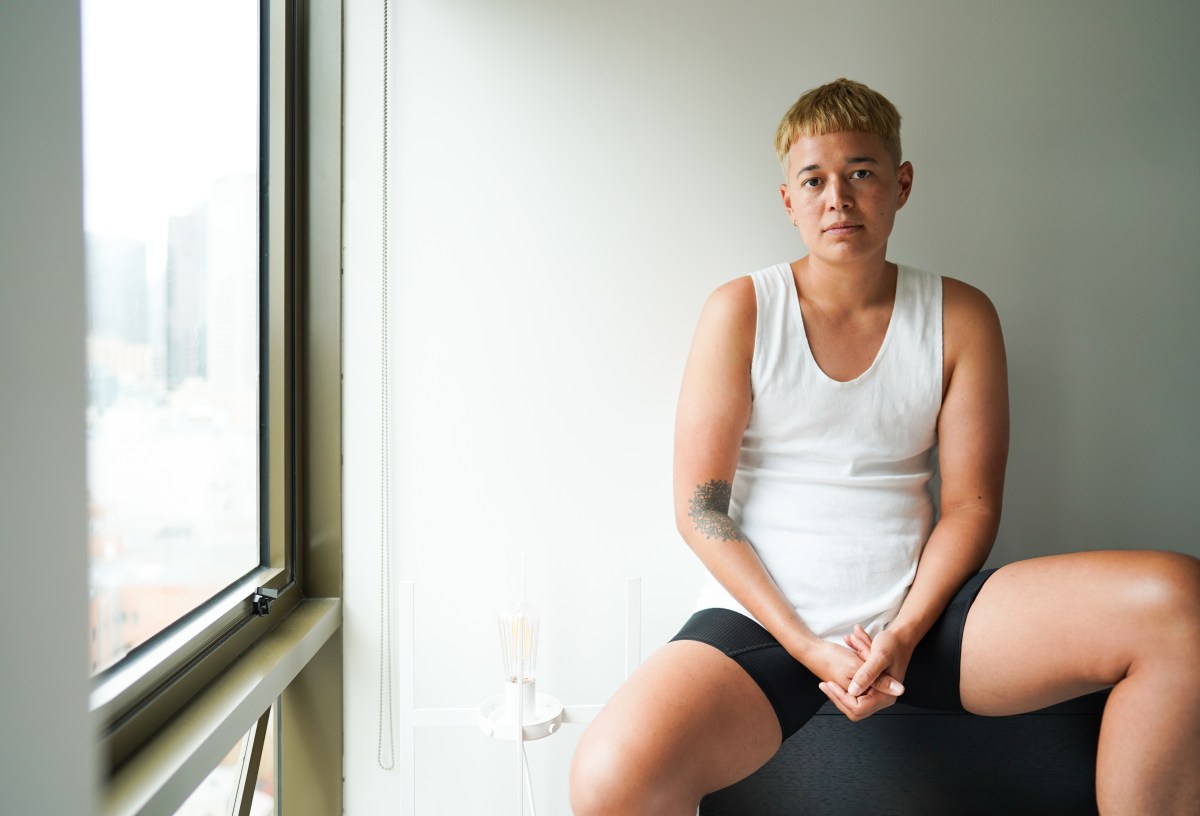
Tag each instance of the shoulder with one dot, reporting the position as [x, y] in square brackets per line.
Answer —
[727, 321]
[970, 324]
[966, 311]
[958, 294]
[733, 300]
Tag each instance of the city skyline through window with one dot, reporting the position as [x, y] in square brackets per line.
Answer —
[171, 210]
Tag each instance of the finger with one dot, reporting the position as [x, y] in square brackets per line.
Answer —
[862, 634]
[872, 674]
[872, 702]
[858, 645]
[888, 685]
[839, 699]
[866, 675]
[883, 701]
[862, 682]
[847, 702]
[857, 708]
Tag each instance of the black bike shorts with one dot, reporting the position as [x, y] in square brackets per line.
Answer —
[931, 681]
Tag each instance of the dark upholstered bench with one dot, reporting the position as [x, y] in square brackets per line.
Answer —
[907, 760]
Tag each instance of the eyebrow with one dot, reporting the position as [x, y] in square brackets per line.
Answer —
[850, 160]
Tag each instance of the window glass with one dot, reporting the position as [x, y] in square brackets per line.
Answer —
[171, 192]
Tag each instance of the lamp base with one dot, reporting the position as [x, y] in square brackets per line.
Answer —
[498, 717]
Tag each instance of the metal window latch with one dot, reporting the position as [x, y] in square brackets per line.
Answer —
[261, 600]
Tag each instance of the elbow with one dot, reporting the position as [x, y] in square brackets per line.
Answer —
[683, 523]
[981, 513]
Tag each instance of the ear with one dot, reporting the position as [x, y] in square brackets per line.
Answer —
[786, 195]
[904, 176]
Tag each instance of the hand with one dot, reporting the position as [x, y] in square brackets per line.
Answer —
[870, 689]
[841, 666]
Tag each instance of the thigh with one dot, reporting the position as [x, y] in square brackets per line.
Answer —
[791, 689]
[689, 721]
[1049, 629]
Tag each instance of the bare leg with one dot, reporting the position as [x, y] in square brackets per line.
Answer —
[1048, 629]
[688, 722]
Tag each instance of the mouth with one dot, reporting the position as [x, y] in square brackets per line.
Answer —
[842, 228]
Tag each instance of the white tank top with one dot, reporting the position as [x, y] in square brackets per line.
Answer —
[833, 482]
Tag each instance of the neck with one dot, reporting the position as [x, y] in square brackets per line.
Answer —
[844, 288]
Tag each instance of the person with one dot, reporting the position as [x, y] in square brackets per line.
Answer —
[818, 401]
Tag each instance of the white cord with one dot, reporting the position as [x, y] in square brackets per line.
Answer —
[386, 713]
[522, 771]
[529, 784]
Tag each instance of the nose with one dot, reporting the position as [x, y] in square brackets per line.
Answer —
[838, 193]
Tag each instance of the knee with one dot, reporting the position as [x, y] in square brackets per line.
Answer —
[1166, 590]
[607, 780]
[598, 781]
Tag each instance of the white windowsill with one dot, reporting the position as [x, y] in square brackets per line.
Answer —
[168, 768]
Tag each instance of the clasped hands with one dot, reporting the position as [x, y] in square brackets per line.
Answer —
[863, 678]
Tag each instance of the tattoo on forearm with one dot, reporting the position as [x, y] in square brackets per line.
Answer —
[710, 511]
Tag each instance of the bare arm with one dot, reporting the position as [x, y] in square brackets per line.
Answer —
[714, 407]
[973, 451]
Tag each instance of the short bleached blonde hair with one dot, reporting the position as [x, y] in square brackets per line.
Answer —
[841, 105]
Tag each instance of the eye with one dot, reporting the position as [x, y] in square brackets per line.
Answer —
[859, 174]
[810, 183]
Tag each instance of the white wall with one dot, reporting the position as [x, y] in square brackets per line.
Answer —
[46, 755]
[569, 180]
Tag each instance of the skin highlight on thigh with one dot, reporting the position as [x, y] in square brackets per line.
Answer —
[689, 721]
[1049, 629]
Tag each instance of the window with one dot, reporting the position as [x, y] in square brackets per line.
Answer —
[172, 156]
[191, 186]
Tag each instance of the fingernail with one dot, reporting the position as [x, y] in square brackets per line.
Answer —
[896, 687]
[853, 689]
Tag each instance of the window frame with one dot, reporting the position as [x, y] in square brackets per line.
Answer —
[132, 701]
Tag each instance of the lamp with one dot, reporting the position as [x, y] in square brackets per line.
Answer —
[520, 713]
[540, 714]
[488, 715]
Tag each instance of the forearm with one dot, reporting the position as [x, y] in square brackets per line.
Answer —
[956, 550]
[728, 555]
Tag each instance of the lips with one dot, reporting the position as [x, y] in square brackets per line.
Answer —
[843, 228]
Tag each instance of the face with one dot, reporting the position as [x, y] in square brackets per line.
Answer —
[843, 191]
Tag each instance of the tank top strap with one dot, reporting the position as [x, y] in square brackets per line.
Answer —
[916, 326]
